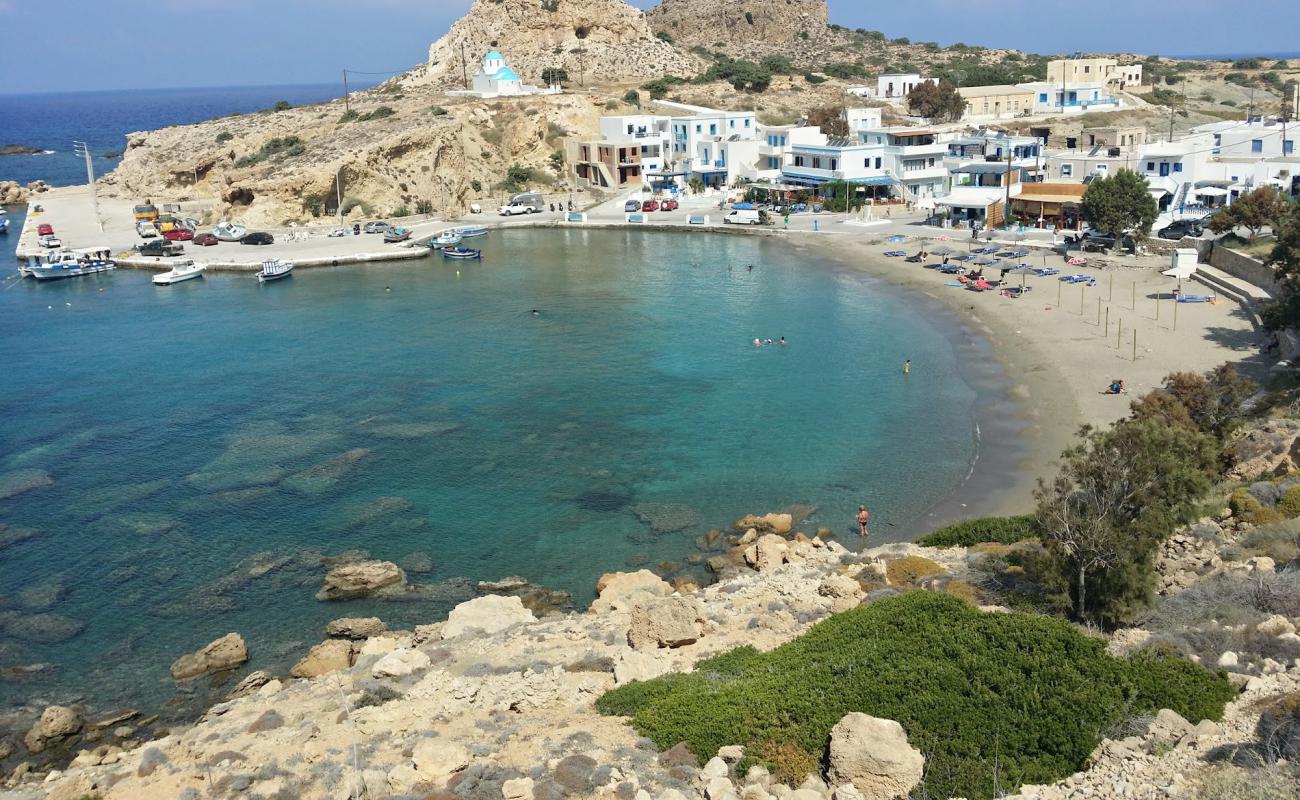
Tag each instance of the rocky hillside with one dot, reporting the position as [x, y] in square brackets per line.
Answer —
[719, 24]
[402, 147]
[592, 40]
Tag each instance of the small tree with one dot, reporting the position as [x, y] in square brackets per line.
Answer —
[1210, 403]
[937, 101]
[554, 75]
[633, 97]
[830, 119]
[777, 65]
[1120, 203]
[1118, 494]
[1252, 211]
[282, 105]
[1285, 311]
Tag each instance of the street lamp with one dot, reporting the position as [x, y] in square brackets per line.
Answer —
[83, 150]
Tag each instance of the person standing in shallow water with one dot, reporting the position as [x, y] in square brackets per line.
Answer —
[907, 367]
[863, 516]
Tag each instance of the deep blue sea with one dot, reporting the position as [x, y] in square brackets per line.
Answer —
[172, 460]
[103, 119]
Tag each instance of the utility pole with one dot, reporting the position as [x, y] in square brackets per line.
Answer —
[1006, 209]
[338, 193]
[1171, 124]
[83, 149]
[346, 105]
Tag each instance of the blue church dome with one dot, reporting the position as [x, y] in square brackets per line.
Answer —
[506, 74]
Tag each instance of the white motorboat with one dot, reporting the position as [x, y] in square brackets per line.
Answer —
[448, 238]
[68, 264]
[273, 269]
[180, 271]
[468, 231]
[229, 231]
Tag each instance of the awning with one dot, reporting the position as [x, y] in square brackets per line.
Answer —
[874, 180]
[1159, 193]
[1212, 191]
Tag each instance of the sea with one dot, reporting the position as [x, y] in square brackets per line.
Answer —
[52, 122]
[181, 462]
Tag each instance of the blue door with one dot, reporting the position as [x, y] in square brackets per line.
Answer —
[1164, 168]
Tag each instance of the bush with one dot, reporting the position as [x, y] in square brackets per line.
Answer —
[438, 111]
[282, 105]
[632, 97]
[993, 700]
[224, 137]
[1262, 783]
[1279, 541]
[1289, 505]
[1003, 530]
[1279, 728]
[379, 113]
[1248, 509]
[813, 78]
[906, 571]
[377, 696]
[350, 115]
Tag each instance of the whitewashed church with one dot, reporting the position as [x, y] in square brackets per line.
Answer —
[497, 79]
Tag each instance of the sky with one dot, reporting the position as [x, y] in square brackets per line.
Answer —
[70, 45]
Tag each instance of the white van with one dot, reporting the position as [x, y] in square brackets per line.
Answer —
[740, 216]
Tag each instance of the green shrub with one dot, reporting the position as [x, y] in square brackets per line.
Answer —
[1248, 509]
[282, 105]
[632, 97]
[813, 78]
[993, 700]
[906, 571]
[379, 113]
[438, 111]
[1003, 530]
[377, 696]
[350, 115]
[1289, 505]
[224, 137]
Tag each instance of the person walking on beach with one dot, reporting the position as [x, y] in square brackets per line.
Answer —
[863, 516]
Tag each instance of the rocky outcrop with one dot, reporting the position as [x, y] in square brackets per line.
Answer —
[13, 193]
[620, 590]
[721, 24]
[355, 628]
[768, 553]
[768, 523]
[593, 40]
[1272, 448]
[486, 615]
[363, 579]
[225, 653]
[874, 755]
[664, 622]
[55, 724]
[328, 656]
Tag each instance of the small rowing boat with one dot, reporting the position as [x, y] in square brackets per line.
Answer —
[448, 238]
[467, 231]
[273, 269]
[181, 271]
[461, 253]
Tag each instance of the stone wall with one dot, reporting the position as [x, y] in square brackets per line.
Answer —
[1244, 267]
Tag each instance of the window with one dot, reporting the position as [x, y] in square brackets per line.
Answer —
[1151, 166]
[713, 130]
[1067, 170]
[817, 162]
[1042, 97]
[699, 128]
[798, 161]
[1256, 145]
[866, 163]
[834, 163]
[747, 121]
[1288, 147]
[877, 162]
[731, 123]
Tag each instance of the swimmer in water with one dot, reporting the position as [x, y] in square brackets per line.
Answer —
[783, 341]
[769, 341]
[907, 367]
[536, 313]
[388, 288]
[750, 268]
[758, 342]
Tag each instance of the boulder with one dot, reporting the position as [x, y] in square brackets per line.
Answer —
[618, 590]
[634, 666]
[874, 755]
[1276, 625]
[1168, 726]
[731, 753]
[436, 759]
[355, 628]
[363, 579]
[1272, 448]
[489, 614]
[768, 553]
[768, 523]
[225, 653]
[326, 657]
[517, 789]
[56, 723]
[843, 591]
[400, 663]
[1261, 564]
[664, 622]
[1227, 659]
[251, 683]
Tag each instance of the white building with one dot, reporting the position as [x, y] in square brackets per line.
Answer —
[715, 147]
[910, 163]
[777, 144]
[862, 119]
[898, 85]
[1071, 98]
[496, 79]
[651, 132]
[914, 157]
[1220, 162]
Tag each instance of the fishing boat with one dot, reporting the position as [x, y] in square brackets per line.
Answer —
[68, 264]
[448, 238]
[395, 235]
[467, 231]
[273, 269]
[181, 271]
[4, 226]
[461, 252]
[229, 231]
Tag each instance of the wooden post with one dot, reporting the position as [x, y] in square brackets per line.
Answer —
[1058, 294]
[1135, 345]
[1135, 296]
[1098, 312]
[1107, 333]
[1175, 313]
[1111, 297]
[1157, 306]
[1119, 336]
[1083, 295]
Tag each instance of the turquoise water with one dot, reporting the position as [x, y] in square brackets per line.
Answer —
[180, 427]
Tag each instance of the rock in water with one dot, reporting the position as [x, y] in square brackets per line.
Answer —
[355, 628]
[768, 523]
[225, 653]
[363, 579]
[768, 553]
[873, 754]
[20, 481]
[56, 723]
[489, 614]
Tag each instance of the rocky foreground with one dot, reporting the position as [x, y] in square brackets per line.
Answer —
[496, 703]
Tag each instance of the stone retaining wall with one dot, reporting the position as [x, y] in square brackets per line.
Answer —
[1240, 265]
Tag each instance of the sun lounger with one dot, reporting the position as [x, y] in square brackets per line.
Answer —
[916, 259]
[1045, 271]
[949, 269]
[1193, 298]
[895, 253]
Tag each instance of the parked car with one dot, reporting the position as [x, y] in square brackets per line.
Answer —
[517, 208]
[51, 241]
[379, 226]
[44, 229]
[258, 237]
[669, 205]
[740, 216]
[206, 239]
[632, 205]
[1181, 228]
[146, 229]
[338, 233]
[160, 247]
[650, 205]
[1096, 240]
[179, 235]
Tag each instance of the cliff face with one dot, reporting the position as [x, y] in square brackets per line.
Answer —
[593, 40]
[724, 24]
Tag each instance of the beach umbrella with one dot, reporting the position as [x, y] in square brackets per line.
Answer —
[943, 250]
[985, 261]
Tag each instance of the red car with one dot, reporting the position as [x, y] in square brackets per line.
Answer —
[178, 235]
[650, 205]
[669, 205]
[44, 230]
[206, 239]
